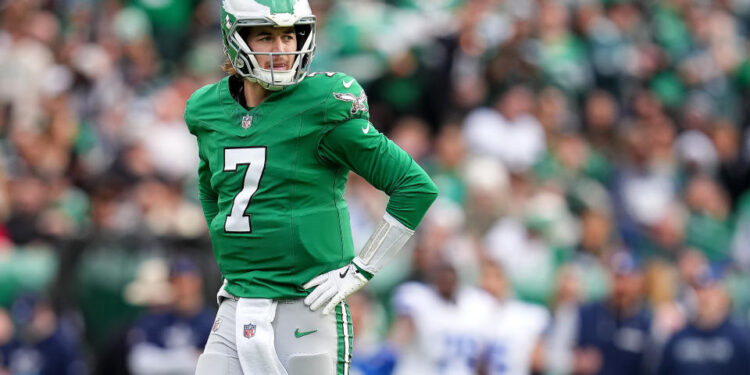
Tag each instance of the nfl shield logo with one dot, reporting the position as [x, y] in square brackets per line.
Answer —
[217, 324]
[249, 330]
[247, 120]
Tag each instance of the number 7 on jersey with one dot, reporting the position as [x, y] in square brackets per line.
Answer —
[255, 159]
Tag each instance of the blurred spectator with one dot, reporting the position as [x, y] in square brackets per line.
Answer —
[24, 60]
[507, 131]
[557, 354]
[40, 342]
[553, 110]
[171, 21]
[6, 334]
[669, 314]
[597, 240]
[741, 240]
[400, 91]
[370, 355]
[171, 335]
[174, 153]
[711, 343]
[571, 161]
[558, 52]
[413, 136]
[515, 329]
[600, 115]
[426, 332]
[614, 335]
[27, 201]
[645, 183]
[708, 226]
[733, 171]
[489, 194]
[690, 266]
[530, 247]
[448, 163]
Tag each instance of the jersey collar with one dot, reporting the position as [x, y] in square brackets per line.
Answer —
[232, 107]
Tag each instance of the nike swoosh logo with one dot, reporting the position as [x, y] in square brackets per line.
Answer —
[299, 334]
[343, 274]
[348, 84]
[367, 129]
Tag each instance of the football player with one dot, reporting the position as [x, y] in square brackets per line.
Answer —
[439, 327]
[276, 144]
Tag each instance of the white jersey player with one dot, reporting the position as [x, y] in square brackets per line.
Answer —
[440, 326]
[515, 330]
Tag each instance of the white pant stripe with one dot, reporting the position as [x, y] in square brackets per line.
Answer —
[345, 323]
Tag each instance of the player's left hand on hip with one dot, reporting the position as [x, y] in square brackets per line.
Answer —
[333, 286]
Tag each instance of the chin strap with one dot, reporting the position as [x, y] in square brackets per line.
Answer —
[264, 84]
[387, 240]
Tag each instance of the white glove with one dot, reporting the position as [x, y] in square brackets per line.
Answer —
[333, 287]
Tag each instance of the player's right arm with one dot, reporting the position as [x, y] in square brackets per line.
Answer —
[207, 195]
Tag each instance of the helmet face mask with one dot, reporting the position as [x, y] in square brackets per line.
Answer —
[238, 16]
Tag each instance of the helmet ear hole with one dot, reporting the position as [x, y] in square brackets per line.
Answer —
[244, 33]
[302, 33]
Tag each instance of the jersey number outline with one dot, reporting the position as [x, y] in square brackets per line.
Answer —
[238, 221]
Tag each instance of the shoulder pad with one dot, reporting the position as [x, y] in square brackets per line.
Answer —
[347, 100]
[200, 101]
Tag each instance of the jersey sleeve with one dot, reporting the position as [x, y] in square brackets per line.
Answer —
[346, 101]
[190, 109]
[354, 143]
[206, 193]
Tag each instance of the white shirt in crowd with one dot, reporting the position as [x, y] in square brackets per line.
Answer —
[512, 336]
[448, 334]
[518, 143]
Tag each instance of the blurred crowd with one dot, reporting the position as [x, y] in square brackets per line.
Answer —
[592, 156]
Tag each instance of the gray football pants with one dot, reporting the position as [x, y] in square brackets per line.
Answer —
[306, 342]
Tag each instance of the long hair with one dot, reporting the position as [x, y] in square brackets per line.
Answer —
[229, 69]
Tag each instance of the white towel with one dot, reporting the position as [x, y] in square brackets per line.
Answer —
[255, 338]
[223, 293]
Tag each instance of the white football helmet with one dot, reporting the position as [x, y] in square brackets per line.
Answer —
[237, 16]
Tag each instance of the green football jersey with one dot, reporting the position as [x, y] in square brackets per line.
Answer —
[272, 180]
